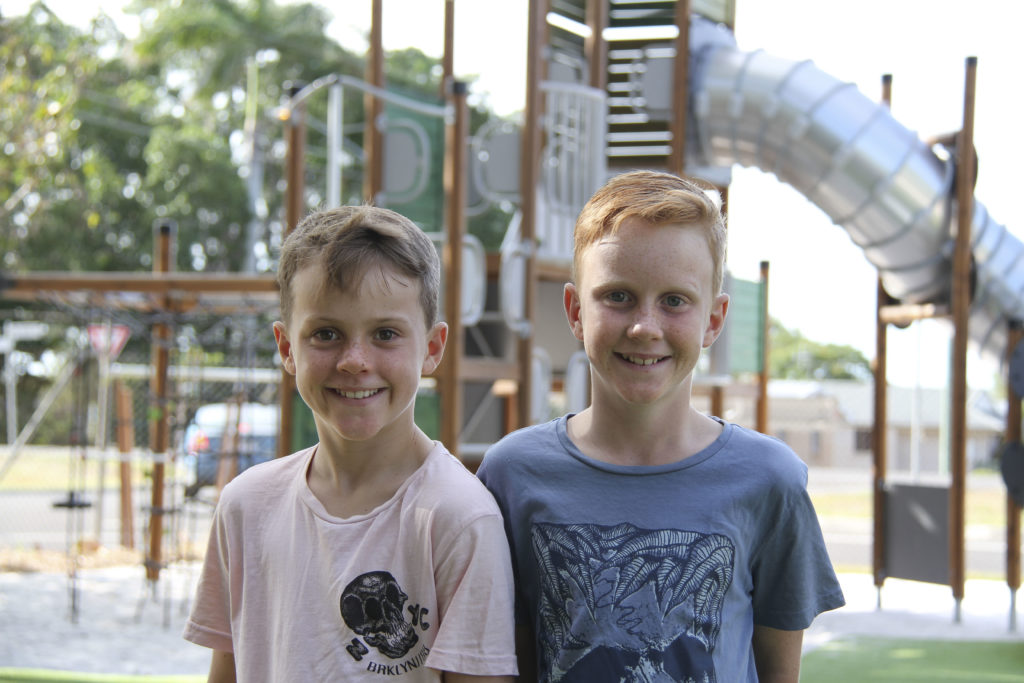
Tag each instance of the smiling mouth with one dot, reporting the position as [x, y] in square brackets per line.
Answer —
[637, 360]
[365, 393]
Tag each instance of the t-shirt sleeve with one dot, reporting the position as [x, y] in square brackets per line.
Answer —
[793, 576]
[209, 623]
[474, 592]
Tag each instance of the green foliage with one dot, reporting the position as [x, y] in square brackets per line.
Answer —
[793, 356]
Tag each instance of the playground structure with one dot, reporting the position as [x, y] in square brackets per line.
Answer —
[906, 202]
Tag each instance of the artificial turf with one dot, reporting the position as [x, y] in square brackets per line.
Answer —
[878, 660]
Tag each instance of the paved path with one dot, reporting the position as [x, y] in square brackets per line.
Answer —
[123, 626]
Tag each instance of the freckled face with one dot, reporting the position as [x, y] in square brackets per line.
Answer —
[358, 354]
[644, 309]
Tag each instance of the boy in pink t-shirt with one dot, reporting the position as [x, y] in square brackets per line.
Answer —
[374, 552]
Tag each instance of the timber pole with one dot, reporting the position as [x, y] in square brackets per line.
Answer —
[880, 427]
[159, 426]
[455, 219]
[1013, 435]
[294, 202]
[961, 301]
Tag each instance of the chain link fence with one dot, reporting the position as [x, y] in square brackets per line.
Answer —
[77, 471]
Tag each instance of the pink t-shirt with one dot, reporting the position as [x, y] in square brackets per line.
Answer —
[421, 584]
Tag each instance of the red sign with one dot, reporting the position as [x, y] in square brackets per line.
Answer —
[108, 339]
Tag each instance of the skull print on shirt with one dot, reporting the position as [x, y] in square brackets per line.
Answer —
[373, 605]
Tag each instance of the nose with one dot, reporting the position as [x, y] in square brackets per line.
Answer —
[353, 358]
[644, 324]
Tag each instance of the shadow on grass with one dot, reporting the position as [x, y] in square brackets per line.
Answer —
[852, 660]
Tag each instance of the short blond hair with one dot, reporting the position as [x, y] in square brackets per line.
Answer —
[657, 198]
[347, 240]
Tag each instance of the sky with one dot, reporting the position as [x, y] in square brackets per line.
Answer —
[821, 284]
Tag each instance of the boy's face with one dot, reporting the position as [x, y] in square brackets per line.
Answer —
[358, 354]
[644, 309]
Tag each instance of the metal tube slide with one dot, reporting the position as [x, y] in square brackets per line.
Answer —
[887, 188]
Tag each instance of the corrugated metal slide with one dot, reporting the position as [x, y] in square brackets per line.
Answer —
[872, 176]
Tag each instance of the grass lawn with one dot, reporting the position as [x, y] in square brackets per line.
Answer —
[40, 676]
[983, 507]
[853, 660]
[52, 468]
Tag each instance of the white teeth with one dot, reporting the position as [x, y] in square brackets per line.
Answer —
[641, 361]
[357, 394]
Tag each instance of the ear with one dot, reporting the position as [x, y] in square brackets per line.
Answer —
[571, 300]
[437, 337]
[716, 319]
[284, 347]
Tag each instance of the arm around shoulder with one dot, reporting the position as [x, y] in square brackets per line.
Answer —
[222, 668]
[777, 654]
[450, 677]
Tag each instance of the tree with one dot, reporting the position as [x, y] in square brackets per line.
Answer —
[793, 356]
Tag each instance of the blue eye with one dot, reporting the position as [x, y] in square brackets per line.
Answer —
[618, 297]
[674, 300]
[325, 335]
[386, 335]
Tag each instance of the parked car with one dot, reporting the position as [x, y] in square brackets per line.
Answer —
[205, 444]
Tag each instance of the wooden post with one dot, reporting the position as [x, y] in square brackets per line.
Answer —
[529, 173]
[880, 428]
[294, 208]
[455, 219]
[680, 90]
[763, 376]
[879, 467]
[159, 424]
[448, 56]
[595, 47]
[125, 444]
[961, 301]
[1013, 435]
[373, 144]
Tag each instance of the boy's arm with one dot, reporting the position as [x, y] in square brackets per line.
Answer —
[526, 651]
[222, 668]
[777, 654]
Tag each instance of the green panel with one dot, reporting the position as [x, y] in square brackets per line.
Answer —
[426, 209]
[303, 425]
[428, 412]
[746, 325]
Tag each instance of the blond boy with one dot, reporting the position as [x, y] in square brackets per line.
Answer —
[652, 542]
[373, 555]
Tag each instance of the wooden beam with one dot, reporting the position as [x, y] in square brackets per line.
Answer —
[595, 47]
[373, 182]
[294, 209]
[30, 284]
[1013, 435]
[904, 314]
[455, 164]
[961, 302]
[880, 424]
[529, 174]
[680, 89]
[765, 374]
[159, 426]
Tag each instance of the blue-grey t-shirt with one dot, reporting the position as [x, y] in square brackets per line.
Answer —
[658, 573]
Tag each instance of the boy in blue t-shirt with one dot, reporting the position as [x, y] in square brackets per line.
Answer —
[650, 541]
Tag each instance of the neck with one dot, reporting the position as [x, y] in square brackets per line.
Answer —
[352, 478]
[641, 436]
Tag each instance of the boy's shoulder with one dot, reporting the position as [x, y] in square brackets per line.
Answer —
[265, 480]
[535, 436]
[447, 485]
[766, 456]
